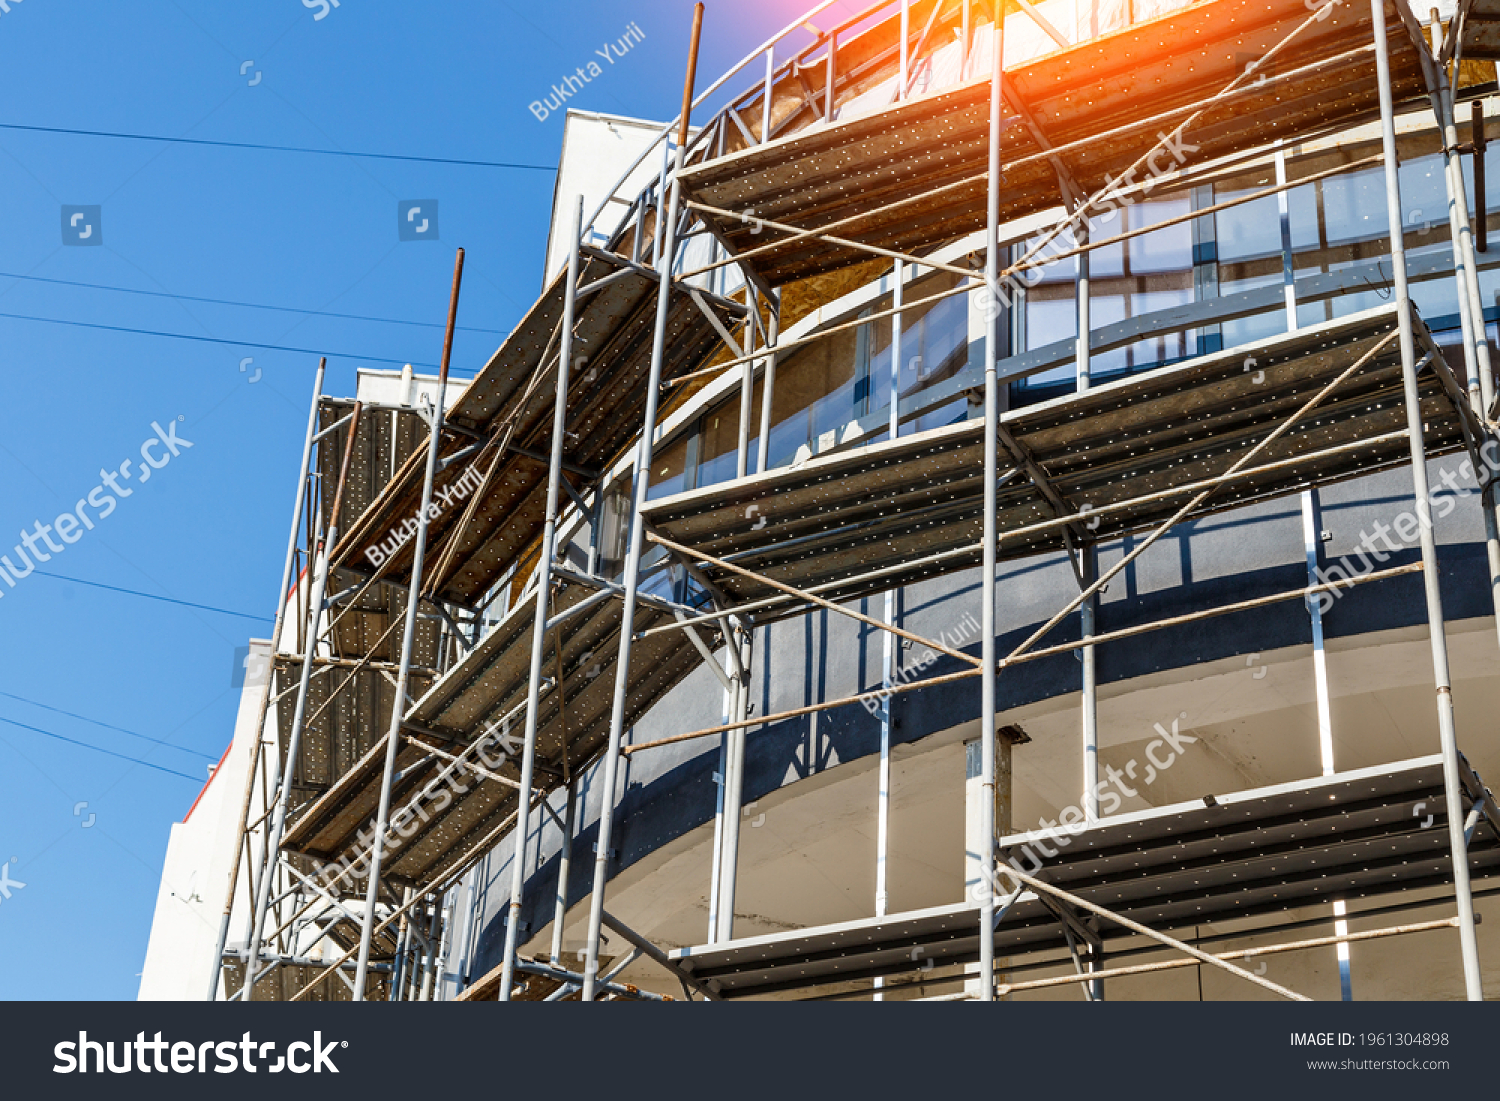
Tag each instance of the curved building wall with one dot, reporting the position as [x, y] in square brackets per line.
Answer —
[1241, 683]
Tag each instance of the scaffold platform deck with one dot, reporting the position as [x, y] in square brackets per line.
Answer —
[476, 698]
[1122, 456]
[900, 506]
[1478, 23]
[1097, 107]
[501, 428]
[1347, 836]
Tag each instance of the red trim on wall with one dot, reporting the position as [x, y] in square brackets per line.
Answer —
[211, 776]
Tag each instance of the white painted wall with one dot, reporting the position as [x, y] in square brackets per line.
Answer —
[405, 388]
[596, 151]
[195, 877]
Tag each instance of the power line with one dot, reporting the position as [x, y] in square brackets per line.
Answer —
[247, 305]
[153, 596]
[274, 148]
[108, 726]
[215, 340]
[101, 749]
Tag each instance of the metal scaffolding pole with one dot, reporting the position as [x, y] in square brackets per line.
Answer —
[890, 647]
[1481, 380]
[431, 948]
[1088, 556]
[1312, 541]
[747, 385]
[1088, 613]
[733, 782]
[564, 869]
[716, 860]
[403, 949]
[989, 653]
[1468, 284]
[637, 534]
[905, 77]
[543, 599]
[321, 570]
[729, 797]
[768, 389]
[282, 601]
[408, 641]
[1447, 731]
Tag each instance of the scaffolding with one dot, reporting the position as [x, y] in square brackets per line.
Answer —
[456, 660]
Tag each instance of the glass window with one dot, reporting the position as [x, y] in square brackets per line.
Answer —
[1138, 276]
[1167, 250]
[1354, 207]
[934, 346]
[1250, 230]
[669, 473]
[719, 443]
[815, 394]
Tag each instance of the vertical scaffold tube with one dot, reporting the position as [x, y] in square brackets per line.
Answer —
[991, 474]
[282, 602]
[1447, 731]
[294, 740]
[632, 577]
[408, 640]
[543, 607]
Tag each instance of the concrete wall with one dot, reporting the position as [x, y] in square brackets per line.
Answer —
[195, 876]
[669, 793]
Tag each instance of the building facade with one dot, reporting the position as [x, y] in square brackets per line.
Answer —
[800, 784]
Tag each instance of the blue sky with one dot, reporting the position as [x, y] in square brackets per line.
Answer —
[147, 679]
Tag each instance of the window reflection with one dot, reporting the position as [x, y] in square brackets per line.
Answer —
[1336, 224]
[1128, 279]
[823, 388]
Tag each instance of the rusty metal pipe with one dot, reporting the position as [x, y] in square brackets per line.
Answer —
[692, 76]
